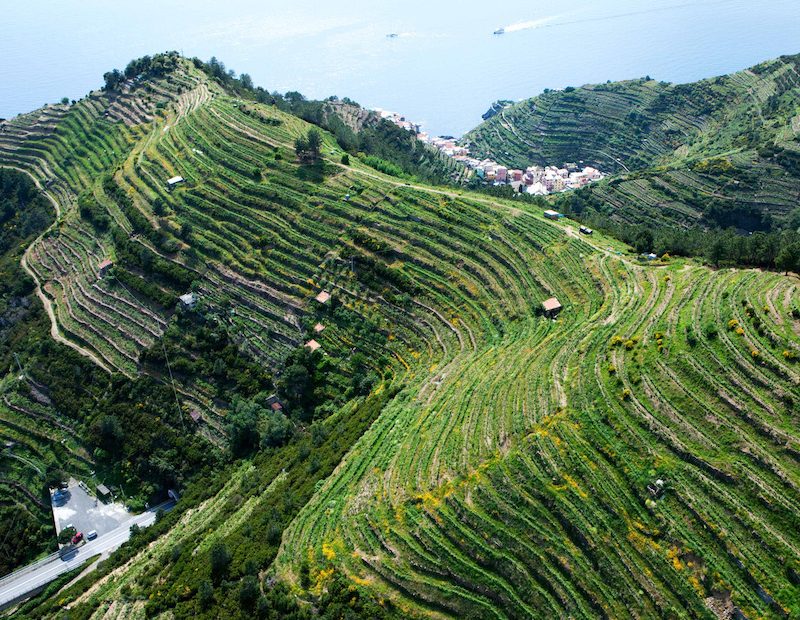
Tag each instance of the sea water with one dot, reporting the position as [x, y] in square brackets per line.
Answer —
[443, 69]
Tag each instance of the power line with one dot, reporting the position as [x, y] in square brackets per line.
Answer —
[174, 391]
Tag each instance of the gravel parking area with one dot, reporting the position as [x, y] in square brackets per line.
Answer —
[86, 513]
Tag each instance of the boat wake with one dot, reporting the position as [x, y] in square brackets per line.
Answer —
[526, 25]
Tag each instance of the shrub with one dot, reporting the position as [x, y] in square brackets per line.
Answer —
[205, 594]
[249, 592]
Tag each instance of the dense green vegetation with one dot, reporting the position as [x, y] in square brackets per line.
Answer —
[442, 448]
[29, 456]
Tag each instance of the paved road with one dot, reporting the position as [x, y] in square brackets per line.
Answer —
[28, 579]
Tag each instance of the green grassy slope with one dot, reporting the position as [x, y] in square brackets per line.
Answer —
[730, 140]
[503, 458]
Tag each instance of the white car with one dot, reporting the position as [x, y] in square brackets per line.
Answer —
[91, 535]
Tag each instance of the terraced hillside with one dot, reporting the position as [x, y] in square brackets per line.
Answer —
[730, 141]
[506, 468]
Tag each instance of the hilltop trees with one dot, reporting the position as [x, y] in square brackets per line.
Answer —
[158, 64]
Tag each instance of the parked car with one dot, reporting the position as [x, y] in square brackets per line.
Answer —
[77, 538]
[91, 535]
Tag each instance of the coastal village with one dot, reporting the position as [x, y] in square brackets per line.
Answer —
[535, 180]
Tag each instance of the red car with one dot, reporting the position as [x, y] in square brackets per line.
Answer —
[77, 538]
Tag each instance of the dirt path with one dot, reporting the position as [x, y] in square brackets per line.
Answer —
[55, 332]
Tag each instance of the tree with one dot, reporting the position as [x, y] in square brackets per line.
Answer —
[300, 147]
[294, 385]
[54, 476]
[314, 143]
[249, 592]
[242, 427]
[346, 159]
[205, 594]
[308, 147]
[220, 560]
[64, 100]
[643, 241]
[246, 81]
[276, 429]
[65, 535]
[113, 79]
[788, 258]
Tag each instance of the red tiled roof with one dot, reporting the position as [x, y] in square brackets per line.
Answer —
[551, 304]
[313, 345]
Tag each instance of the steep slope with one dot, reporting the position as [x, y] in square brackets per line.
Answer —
[723, 144]
[499, 464]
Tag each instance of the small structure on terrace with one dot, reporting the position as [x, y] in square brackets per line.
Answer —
[174, 182]
[188, 300]
[323, 297]
[551, 307]
[313, 345]
[104, 266]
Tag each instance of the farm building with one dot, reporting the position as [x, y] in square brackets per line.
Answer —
[103, 267]
[323, 297]
[313, 345]
[274, 402]
[553, 215]
[551, 307]
[195, 415]
[585, 230]
[188, 300]
[319, 327]
[103, 492]
[174, 181]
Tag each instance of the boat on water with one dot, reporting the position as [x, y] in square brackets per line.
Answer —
[392, 35]
[500, 31]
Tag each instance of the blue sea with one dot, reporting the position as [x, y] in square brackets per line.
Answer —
[443, 69]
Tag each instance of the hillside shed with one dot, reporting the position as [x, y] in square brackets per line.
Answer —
[313, 345]
[551, 307]
[188, 300]
[103, 492]
[172, 182]
[323, 297]
[553, 215]
[586, 230]
[103, 267]
[319, 327]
